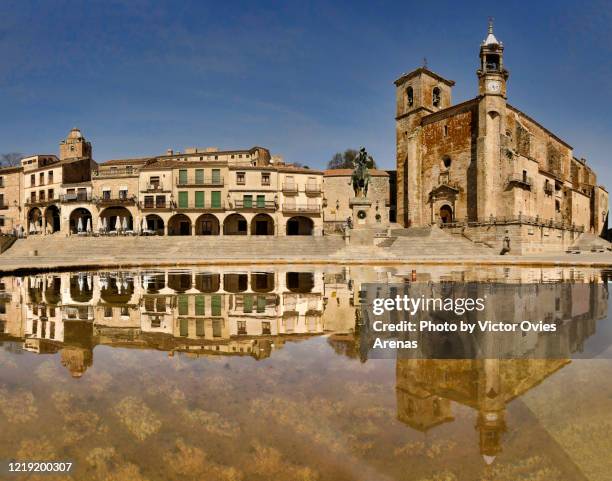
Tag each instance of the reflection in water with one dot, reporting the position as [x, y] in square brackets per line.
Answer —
[313, 408]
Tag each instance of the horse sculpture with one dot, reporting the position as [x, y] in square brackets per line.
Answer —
[361, 177]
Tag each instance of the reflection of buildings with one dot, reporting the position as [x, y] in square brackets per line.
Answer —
[238, 312]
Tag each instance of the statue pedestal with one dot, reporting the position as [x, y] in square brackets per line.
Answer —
[363, 215]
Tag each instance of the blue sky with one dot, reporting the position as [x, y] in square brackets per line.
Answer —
[305, 79]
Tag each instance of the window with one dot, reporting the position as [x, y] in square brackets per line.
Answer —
[199, 199]
[50, 194]
[200, 327]
[446, 161]
[446, 131]
[410, 96]
[154, 181]
[183, 305]
[247, 201]
[184, 327]
[240, 178]
[1, 181]
[2, 221]
[33, 196]
[149, 201]
[215, 305]
[261, 201]
[436, 97]
[41, 195]
[1, 199]
[557, 206]
[199, 307]
[160, 201]
[41, 178]
[183, 200]
[215, 199]
[50, 177]
[128, 169]
[108, 312]
[182, 176]
[123, 194]
[199, 176]
[216, 176]
[106, 194]
[242, 327]
[265, 328]
[265, 178]
[32, 180]
[217, 328]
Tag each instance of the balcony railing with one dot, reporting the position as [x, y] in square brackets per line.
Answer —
[204, 182]
[519, 220]
[313, 189]
[196, 206]
[301, 208]
[77, 197]
[116, 172]
[519, 179]
[290, 188]
[240, 204]
[40, 202]
[154, 188]
[153, 205]
[115, 200]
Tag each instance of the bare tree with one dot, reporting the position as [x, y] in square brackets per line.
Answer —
[10, 159]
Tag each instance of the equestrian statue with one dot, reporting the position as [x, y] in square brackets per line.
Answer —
[361, 177]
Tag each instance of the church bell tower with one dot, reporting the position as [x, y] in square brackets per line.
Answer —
[492, 75]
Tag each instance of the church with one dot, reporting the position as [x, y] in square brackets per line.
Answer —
[485, 168]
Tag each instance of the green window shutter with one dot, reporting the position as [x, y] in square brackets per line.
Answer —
[199, 199]
[183, 176]
[183, 200]
[215, 199]
[248, 303]
[217, 326]
[199, 305]
[199, 176]
[261, 201]
[247, 200]
[184, 327]
[216, 176]
[215, 305]
[261, 304]
[200, 327]
[183, 305]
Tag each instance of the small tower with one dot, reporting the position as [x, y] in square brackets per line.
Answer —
[75, 146]
[492, 75]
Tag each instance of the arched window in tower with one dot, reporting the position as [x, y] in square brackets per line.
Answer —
[492, 63]
[446, 162]
[436, 97]
[410, 96]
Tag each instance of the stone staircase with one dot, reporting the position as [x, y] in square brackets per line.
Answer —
[179, 249]
[432, 242]
[588, 242]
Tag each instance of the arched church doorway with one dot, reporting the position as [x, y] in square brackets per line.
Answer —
[446, 214]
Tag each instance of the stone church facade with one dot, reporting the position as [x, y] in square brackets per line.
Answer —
[486, 168]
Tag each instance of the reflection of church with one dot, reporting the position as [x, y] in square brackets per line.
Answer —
[426, 390]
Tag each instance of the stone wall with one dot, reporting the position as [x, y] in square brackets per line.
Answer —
[524, 239]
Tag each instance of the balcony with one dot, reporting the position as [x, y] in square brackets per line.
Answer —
[77, 197]
[203, 182]
[313, 189]
[115, 172]
[154, 188]
[40, 202]
[240, 204]
[204, 206]
[154, 205]
[520, 180]
[105, 201]
[290, 188]
[548, 188]
[301, 208]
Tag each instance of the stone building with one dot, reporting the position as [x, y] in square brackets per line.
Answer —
[486, 164]
[338, 189]
[10, 198]
[195, 192]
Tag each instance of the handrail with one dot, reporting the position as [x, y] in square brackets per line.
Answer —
[520, 220]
